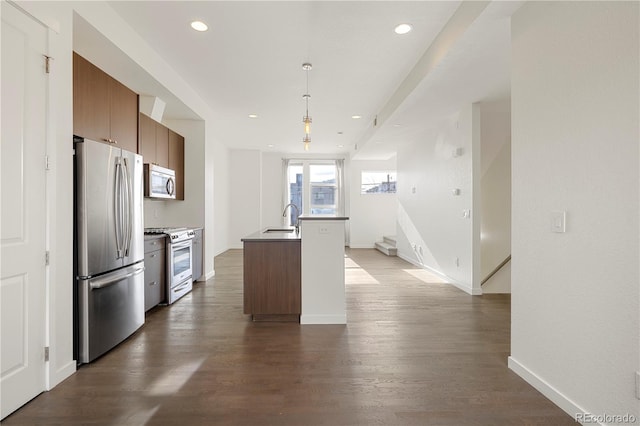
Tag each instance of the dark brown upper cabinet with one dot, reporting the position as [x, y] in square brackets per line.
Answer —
[103, 109]
[154, 141]
[176, 161]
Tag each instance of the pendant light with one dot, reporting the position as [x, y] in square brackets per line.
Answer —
[307, 118]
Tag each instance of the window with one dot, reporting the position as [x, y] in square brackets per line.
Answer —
[313, 186]
[378, 183]
[323, 185]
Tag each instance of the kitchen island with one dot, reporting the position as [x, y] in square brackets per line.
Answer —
[272, 275]
[297, 276]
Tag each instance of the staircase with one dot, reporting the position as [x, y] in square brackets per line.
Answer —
[387, 245]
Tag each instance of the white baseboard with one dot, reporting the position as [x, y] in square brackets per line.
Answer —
[208, 275]
[464, 287]
[61, 374]
[323, 319]
[362, 246]
[557, 397]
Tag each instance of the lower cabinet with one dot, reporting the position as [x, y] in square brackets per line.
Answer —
[272, 280]
[154, 272]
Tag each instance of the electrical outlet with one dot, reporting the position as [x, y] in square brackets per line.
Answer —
[323, 230]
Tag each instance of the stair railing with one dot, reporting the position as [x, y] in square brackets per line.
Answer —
[497, 268]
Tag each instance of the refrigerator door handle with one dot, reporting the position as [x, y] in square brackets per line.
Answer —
[128, 205]
[117, 206]
[111, 280]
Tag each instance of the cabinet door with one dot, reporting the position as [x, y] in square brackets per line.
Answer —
[147, 139]
[124, 116]
[154, 263]
[176, 161]
[90, 100]
[162, 145]
[272, 277]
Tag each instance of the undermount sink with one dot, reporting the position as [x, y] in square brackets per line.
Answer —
[279, 230]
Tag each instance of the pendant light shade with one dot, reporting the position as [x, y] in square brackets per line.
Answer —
[306, 120]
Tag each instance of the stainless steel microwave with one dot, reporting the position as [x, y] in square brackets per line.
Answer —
[159, 182]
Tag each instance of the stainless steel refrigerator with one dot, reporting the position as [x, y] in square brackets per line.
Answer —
[109, 247]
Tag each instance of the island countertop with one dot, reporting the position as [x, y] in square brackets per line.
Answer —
[321, 217]
[273, 236]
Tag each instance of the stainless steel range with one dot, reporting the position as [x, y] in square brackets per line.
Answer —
[179, 260]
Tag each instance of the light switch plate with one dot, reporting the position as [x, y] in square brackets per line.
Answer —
[558, 222]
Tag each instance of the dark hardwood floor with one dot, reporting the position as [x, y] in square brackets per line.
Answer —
[415, 352]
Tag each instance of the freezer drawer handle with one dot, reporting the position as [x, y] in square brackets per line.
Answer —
[106, 282]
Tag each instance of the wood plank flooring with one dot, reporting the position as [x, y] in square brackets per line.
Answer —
[415, 352]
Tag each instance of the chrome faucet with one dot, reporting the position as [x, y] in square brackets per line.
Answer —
[284, 214]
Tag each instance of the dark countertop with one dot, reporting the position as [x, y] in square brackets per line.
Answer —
[322, 217]
[273, 236]
[153, 236]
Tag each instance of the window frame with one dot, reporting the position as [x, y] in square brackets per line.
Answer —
[387, 172]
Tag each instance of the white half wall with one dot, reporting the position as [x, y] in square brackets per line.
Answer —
[575, 295]
[372, 215]
[432, 230]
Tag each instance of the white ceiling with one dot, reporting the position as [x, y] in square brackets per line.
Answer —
[250, 62]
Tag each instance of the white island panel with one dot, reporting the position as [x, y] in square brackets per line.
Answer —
[323, 286]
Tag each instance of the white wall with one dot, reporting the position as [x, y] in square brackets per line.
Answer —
[372, 215]
[222, 190]
[495, 193]
[575, 295]
[245, 208]
[272, 189]
[429, 215]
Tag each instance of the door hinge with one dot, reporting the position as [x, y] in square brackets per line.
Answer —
[47, 163]
[46, 353]
[47, 63]
[46, 258]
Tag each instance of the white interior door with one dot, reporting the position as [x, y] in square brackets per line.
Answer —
[22, 233]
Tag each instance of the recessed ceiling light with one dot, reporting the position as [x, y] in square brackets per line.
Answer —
[355, 117]
[253, 115]
[397, 125]
[199, 26]
[403, 28]
[270, 145]
[340, 146]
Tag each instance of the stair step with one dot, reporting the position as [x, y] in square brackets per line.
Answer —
[390, 239]
[388, 249]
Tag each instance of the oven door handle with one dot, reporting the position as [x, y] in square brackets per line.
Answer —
[181, 245]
